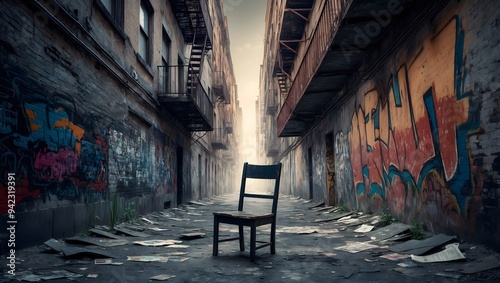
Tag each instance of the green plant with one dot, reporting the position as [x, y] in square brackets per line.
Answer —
[344, 207]
[416, 230]
[387, 218]
[129, 213]
[113, 212]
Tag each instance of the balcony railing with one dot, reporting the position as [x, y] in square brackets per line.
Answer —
[180, 90]
[220, 85]
[271, 102]
[229, 127]
[271, 146]
[326, 28]
[219, 138]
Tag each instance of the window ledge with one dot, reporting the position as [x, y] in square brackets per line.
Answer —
[110, 19]
[145, 65]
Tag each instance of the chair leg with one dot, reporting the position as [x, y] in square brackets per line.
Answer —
[253, 244]
[242, 239]
[216, 237]
[273, 238]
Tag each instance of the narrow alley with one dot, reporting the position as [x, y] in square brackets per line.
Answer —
[314, 244]
[124, 126]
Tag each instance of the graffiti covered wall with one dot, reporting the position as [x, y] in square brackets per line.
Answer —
[54, 153]
[408, 144]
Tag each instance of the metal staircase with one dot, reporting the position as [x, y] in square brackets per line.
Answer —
[193, 108]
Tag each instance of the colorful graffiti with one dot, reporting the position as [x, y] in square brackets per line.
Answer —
[43, 145]
[142, 161]
[344, 170]
[409, 145]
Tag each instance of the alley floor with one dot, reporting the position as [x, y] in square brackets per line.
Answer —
[314, 244]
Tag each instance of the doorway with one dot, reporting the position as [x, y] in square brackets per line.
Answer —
[330, 171]
[180, 166]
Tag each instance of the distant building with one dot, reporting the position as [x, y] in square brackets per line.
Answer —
[387, 105]
[110, 102]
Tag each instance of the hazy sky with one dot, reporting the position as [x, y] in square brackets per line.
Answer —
[246, 21]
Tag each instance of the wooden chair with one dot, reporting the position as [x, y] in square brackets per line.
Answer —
[253, 220]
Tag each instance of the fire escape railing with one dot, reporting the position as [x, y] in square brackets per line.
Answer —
[271, 102]
[326, 29]
[174, 84]
[219, 138]
[220, 85]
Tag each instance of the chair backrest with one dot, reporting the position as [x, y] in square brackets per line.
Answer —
[269, 172]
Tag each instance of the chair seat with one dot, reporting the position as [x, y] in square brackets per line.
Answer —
[243, 214]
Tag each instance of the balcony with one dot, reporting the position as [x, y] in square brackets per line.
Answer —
[271, 102]
[333, 55]
[220, 87]
[228, 156]
[219, 139]
[193, 19]
[181, 93]
[271, 146]
[229, 127]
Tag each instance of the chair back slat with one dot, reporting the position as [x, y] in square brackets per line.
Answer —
[258, 196]
[270, 172]
[262, 171]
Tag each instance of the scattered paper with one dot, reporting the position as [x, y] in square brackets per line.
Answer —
[106, 261]
[178, 259]
[420, 247]
[178, 246]
[162, 277]
[394, 256]
[364, 228]
[299, 230]
[147, 258]
[157, 243]
[450, 253]
[355, 247]
[103, 261]
[148, 221]
[157, 229]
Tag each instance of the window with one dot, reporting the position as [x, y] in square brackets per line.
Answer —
[165, 48]
[145, 16]
[165, 51]
[114, 8]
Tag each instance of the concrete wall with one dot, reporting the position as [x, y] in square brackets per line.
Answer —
[421, 136]
[76, 128]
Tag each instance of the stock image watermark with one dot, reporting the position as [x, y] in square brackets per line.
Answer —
[11, 223]
[363, 37]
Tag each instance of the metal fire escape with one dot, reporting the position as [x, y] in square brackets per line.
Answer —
[295, 19]
[191, 103]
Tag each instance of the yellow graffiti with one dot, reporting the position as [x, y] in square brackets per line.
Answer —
[77, 131]
[32, 117]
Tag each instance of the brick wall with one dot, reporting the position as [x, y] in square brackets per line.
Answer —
[76, 128]
[426, 145]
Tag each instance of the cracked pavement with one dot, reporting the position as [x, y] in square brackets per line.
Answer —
[306, 251]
